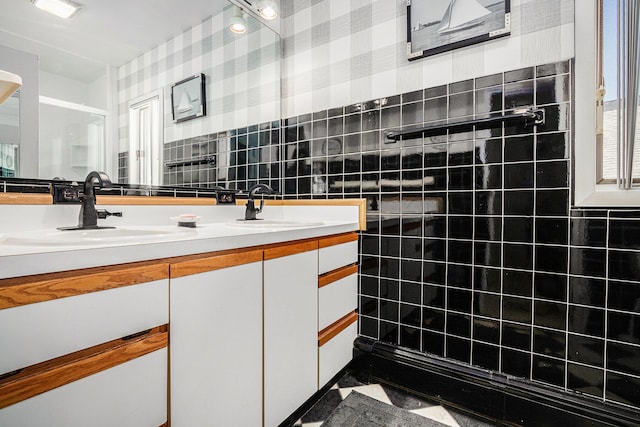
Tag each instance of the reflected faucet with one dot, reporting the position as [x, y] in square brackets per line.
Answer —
[251, 211]
[89, 215]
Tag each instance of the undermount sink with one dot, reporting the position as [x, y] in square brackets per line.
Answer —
[272, 223]
[90, 237]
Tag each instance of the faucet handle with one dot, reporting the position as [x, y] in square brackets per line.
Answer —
[103, 213]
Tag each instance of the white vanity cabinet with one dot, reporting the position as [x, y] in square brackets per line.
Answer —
[88, 347]
[290, 328]
[254, 332]
[216, 340]
[337, 304]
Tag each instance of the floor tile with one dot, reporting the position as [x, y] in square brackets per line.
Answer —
[386, 394]
[403, 400]
[437, 413]
[372, 390]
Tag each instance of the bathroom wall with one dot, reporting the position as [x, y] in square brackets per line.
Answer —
[342, 52]
[242, 74]
[473, 251]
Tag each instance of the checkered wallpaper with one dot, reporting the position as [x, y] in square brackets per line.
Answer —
[339, 52]
[242, 74]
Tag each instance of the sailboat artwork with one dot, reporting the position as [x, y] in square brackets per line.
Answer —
[188, 98]
[462, 14]
[441, 25]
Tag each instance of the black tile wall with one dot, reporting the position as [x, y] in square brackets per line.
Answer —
[243, 157]
[512, 279]
[472, 251]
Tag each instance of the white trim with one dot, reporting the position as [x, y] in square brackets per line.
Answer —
[584, 103]
[72, 106]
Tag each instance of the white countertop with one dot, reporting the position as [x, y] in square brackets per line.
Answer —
[22, 254]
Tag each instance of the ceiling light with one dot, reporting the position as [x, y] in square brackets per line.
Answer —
[9, 83]
[61, 8]
[237, 24]
[268, 9]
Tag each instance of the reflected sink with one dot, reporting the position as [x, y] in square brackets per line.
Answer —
[91, 237]
[272, 223]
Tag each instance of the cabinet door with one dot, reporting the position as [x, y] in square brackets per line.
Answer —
[290, 333]
[216, 347]
[132, 394]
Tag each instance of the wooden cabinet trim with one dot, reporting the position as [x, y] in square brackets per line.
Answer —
[25, 199]
[20, 291]
[46, 376]
[338, 239]
[214, 262]
[335, 328]
[295, 247]
[360, 203]
[335, 275]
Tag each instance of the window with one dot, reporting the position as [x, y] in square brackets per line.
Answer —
[602, 148]
[618, 63]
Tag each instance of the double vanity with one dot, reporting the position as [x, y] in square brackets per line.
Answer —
[149, 323]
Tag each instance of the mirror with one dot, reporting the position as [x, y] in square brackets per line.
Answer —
[9, 135]
[92, 112]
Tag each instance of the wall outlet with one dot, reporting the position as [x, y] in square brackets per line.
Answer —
[226, 197]
[66, 193]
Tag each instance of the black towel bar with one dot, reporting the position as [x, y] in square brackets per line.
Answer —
[530, 117]
[195, 161]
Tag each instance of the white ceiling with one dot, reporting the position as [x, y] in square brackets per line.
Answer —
[103, 32]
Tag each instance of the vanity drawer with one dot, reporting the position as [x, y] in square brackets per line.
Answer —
[337, 298]
[336, 353]
[337, 251]
[40, 331]
[130, 394]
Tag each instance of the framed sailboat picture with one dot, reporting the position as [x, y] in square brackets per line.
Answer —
[188, 98]
[436, 26]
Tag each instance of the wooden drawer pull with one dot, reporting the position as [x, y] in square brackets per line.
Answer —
[338, 239]
[290, 249]
[215, 262]
[46, 376]
[19, 291]
[335, 275]
[335, 328]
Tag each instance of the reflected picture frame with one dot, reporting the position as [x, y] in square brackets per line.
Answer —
[437, 26]
[188, 98]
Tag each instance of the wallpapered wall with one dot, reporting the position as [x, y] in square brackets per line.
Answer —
[339, 52]
[242, 72]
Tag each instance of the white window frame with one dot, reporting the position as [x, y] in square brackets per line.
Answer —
[587, 193]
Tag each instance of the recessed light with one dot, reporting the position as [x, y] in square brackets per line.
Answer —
[62, 8]
[237, 24]
[268, 9]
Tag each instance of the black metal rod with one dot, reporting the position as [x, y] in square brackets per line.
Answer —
[196, 161]
[529, 118]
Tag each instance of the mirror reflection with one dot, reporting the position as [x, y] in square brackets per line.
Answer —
[108, 107]
[9, 135]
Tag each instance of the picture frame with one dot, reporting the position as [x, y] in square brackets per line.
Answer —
[188, 98]
[436, 26]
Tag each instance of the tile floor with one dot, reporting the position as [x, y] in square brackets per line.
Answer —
[321, 410]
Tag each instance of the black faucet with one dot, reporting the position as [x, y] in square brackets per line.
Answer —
[89, 215]
[251, 211]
